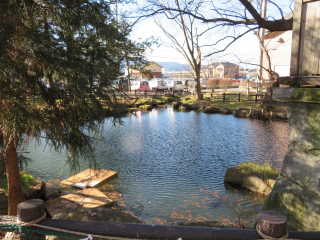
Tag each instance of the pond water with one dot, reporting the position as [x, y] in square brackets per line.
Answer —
[171, 164]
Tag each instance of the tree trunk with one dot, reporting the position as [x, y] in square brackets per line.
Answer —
[274, 81]
[13, 176]
[199, 92]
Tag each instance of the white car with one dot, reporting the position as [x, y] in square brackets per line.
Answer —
[178, 86]
[158, 85]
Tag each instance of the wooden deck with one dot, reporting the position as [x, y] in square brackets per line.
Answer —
[89, 178]
[87, 198]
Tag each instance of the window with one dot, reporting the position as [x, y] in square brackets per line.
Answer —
[155, 70]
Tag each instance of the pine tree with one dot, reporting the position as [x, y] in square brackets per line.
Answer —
[67, 45]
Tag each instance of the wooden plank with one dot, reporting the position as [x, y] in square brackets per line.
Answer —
[302, 39]
[294, 68]
[310, 42]
[89, 178]
[87, 198]
[155, 231]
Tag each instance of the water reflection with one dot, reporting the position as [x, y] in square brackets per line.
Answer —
[171, 164]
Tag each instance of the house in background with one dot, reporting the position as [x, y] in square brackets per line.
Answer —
[154, 68]
[278, 45]
[209, 71]
[227, 70]
[221, 70]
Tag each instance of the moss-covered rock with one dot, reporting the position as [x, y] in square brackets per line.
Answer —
[211, 110]
[225, 111]
[176, 104]
[185, 107]
[300, 206]
[241, 112]
[249, 181]
[146, 107]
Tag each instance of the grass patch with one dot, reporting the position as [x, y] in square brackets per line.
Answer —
[26, 182]
[264, 171]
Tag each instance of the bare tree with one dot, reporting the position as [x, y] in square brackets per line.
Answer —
[188, 45]
[237, 17]
[212, 84]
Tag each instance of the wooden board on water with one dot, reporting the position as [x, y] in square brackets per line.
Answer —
[89, 178]
[87, 198]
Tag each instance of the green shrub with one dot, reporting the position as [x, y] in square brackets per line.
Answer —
[26, 182]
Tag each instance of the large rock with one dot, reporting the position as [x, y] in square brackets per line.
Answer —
[300, 206]
[241, 112]
[253, 183]
[211, 110]
[184, 107]
[96, 214]
[198, 105]
[296, 192]
[176, 105]
[225, 111]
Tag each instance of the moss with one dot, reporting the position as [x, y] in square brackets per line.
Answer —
[311, 95]
[264, 171]
[146, 107]
[268, 204]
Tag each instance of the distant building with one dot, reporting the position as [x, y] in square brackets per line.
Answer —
[220, 70]
[227, 70]
[209, 71]
[155, 69]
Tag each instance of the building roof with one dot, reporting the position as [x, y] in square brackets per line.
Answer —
[228, 64]
[275, 34]
[156, 63]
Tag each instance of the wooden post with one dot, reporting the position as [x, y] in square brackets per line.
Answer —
[239, 97]
[256, 100]
[145, 93]
[135, 93]
[224, 96]
[211, 93]
[30, 210]
[272, 224]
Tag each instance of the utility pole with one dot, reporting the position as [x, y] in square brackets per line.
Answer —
[263, 12]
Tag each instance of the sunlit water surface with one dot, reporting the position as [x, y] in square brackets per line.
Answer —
[171, 164]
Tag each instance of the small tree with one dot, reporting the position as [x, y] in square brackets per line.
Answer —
[213, 84]
[225, 84]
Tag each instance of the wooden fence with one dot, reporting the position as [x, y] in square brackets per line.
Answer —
[257, 97]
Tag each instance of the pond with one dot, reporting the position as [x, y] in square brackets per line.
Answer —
[171, 164]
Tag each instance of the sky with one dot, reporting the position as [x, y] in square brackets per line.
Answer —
[246, 49]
